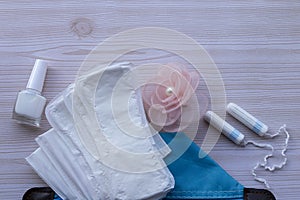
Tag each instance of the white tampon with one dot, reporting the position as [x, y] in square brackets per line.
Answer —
[222, 126]
[247, 119]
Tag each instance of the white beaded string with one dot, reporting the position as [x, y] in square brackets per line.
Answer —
[265, 162]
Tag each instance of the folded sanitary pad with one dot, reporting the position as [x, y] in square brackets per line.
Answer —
[101, 146]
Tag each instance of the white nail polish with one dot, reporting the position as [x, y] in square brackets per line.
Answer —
[30, 103]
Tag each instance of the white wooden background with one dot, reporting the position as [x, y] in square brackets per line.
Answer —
[255, 44]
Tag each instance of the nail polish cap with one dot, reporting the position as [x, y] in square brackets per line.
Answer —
[37, 76]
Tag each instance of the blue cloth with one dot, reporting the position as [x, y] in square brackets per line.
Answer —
[197, 178]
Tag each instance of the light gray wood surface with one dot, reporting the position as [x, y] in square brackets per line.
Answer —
[255, 44]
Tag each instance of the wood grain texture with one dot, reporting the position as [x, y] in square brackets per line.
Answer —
[255, 44]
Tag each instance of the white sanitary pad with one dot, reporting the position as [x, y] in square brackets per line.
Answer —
[101, 146]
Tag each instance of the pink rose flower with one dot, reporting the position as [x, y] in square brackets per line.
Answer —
[167, 96]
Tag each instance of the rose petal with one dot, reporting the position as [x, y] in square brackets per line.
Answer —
[156, 115]
[160, 91]
[172, 117]
[195, 79]
[147, 93]
[184, 120]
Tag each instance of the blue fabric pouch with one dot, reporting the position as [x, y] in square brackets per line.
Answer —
[198, 178]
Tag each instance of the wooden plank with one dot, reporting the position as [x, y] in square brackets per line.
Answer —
[255, 44]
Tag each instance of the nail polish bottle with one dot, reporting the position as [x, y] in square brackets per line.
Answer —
[30, 103]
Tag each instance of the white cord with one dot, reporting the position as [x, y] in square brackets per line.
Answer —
[265, 162]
